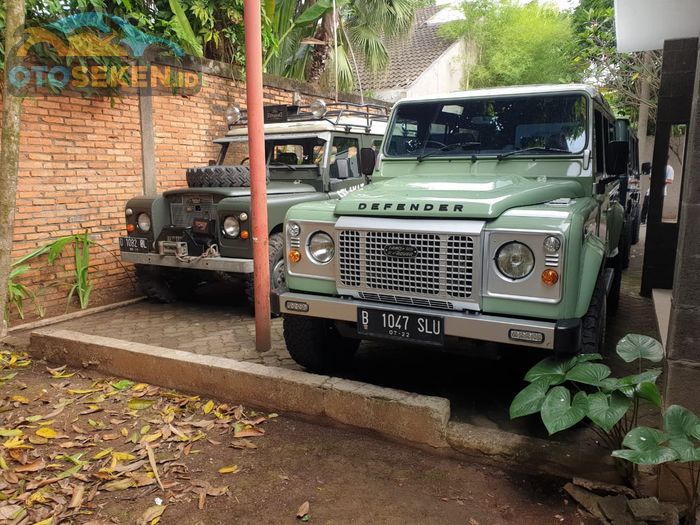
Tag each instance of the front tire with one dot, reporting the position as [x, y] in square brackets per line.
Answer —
[595, 321]
[316, 344]
[278, 276]
[164, 285]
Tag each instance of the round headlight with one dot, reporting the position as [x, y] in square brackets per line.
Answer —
[232, 228]
[243, 217]
[144, 222]
[293, 229]
[128, 212]
[233, 115]
[321, 247]
[552, 244]
[515, 260]
[318, 108]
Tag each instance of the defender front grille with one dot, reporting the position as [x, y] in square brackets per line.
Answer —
[185, 208]
[436, 271]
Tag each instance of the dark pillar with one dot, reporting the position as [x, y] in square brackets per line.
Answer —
[683, 350]
[675, 97]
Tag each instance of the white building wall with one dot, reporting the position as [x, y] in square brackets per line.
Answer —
[443, 76]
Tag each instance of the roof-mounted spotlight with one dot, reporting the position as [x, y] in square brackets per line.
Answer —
[233, 115]
[318, 108]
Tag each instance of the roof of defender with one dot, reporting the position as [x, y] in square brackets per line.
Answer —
[318, 116]
[535, 89]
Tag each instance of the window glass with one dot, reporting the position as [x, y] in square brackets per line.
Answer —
[599, 143]
[345, 148]
[490, 126]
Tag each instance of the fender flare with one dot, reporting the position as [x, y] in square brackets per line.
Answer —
[593, 253]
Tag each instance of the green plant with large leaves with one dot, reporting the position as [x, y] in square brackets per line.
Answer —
[567, 391]
[18, 293]
[677, 443]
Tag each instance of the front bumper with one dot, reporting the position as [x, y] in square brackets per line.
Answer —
[220, 264]
[560, 336]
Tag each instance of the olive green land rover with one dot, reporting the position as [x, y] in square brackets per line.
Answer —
[492, 215]
[201, 233]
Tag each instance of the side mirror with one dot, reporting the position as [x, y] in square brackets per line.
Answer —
[617, 157]
[368, 160]
[646, 168]
[343, 167]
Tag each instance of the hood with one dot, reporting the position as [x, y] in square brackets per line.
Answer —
[273, 188]
[477, 197]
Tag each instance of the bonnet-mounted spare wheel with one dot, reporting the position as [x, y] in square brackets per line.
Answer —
[220, 177]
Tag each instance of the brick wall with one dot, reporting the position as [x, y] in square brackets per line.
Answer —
[80, 160]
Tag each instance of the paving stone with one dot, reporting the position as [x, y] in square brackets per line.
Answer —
[615, 509]
[647, 509]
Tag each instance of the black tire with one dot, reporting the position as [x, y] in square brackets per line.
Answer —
[154, 285]
[316, 344]
[613, 300]
[219, 177]
[278, 281]
[594, 322]
[636, 224]
[625, 246]
[165, 285]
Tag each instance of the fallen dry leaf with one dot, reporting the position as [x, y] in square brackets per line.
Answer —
[248, 432]
[47, 433]
[303, 510]
[34, 466]
[151, 513]
[231, 469]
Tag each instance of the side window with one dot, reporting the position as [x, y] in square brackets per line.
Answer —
[345, 148]
[600, 133]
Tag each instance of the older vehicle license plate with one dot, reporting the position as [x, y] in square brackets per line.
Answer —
[133, 244]
[426, 329]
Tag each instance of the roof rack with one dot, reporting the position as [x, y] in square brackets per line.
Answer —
[333, 112]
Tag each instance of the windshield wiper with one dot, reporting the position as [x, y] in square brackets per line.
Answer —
[288, 166]
[448, 148]
[535, 148]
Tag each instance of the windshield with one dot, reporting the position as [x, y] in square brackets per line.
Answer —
[287, 154]
[541, 124]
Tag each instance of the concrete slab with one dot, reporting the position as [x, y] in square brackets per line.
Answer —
[414, 418]
[400, 415]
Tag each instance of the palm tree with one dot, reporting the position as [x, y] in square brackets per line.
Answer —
[311, 35]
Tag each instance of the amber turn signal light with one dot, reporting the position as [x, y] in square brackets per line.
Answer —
[550, 277]
[130, 227]
[244, 234]
[294, 256]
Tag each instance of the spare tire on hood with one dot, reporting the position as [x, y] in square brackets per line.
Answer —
[220, 177]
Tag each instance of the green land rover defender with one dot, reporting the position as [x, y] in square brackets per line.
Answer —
[201, 233]
[492, 215]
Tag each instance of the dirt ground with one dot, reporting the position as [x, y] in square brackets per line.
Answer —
[76, 448]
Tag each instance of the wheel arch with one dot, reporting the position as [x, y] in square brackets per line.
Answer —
[592, 259]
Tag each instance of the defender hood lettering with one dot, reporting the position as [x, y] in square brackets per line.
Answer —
[479, 197]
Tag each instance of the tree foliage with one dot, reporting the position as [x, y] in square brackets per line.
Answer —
[619, 75]
[307, 32]
[515, 44]
[210, 28]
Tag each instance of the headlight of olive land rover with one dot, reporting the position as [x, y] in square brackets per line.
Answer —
[515, 260]
[232, 228]
[144, 222]
[321, 247]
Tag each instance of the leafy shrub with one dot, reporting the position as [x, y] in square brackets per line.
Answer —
[567, 391]
[678, 442]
